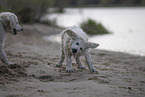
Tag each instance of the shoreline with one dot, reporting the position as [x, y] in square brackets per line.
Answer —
[118, 74]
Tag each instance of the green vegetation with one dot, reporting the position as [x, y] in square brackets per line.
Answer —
[27, 10]
[93, 28]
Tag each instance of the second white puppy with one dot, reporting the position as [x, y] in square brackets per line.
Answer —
[74, 42]
[8, 23]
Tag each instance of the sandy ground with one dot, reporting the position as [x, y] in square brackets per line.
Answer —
[34, 73]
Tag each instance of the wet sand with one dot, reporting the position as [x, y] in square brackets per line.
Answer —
[35, 75]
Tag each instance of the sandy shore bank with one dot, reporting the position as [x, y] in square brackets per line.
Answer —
[119, 74]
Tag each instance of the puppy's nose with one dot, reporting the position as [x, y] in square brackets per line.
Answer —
[14, 30]
[21, 29]
[74, 51]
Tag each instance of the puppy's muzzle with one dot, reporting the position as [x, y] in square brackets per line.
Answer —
[74, 51]
[15, 31]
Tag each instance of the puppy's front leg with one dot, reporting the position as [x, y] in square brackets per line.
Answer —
[3, 57]
[68, 63]
[80, 66]
[89, 62]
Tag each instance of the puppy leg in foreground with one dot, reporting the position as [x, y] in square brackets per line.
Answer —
[89, 62]
[62, 57]
[3, 57]
[80, 66]
[69, 63]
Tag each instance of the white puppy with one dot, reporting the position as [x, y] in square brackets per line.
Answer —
[74, 41]
[8, 23]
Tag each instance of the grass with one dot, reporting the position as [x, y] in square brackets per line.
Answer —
[93, 28]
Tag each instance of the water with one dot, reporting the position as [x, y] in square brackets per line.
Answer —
[127, 25]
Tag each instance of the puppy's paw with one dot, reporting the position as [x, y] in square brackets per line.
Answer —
[93, 69]
[9, 63]
[14, 66]
[58, 65]
[69, 70]
[81, 67]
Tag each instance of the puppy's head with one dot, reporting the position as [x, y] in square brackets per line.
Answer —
[79, 46]
[12, 25]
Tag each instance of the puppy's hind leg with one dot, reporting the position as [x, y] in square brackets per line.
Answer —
[62, 57]
[3, 57]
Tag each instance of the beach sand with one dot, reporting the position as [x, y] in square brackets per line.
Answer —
[35, 75]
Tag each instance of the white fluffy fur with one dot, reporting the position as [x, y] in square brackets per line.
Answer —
[74, 42]
[8, 23]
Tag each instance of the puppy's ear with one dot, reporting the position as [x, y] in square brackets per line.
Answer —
[72, 34]
[8, 24]
[10, 21]
[92, 45]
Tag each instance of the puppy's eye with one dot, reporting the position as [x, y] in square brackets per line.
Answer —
[81, 48]
[77, 43]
